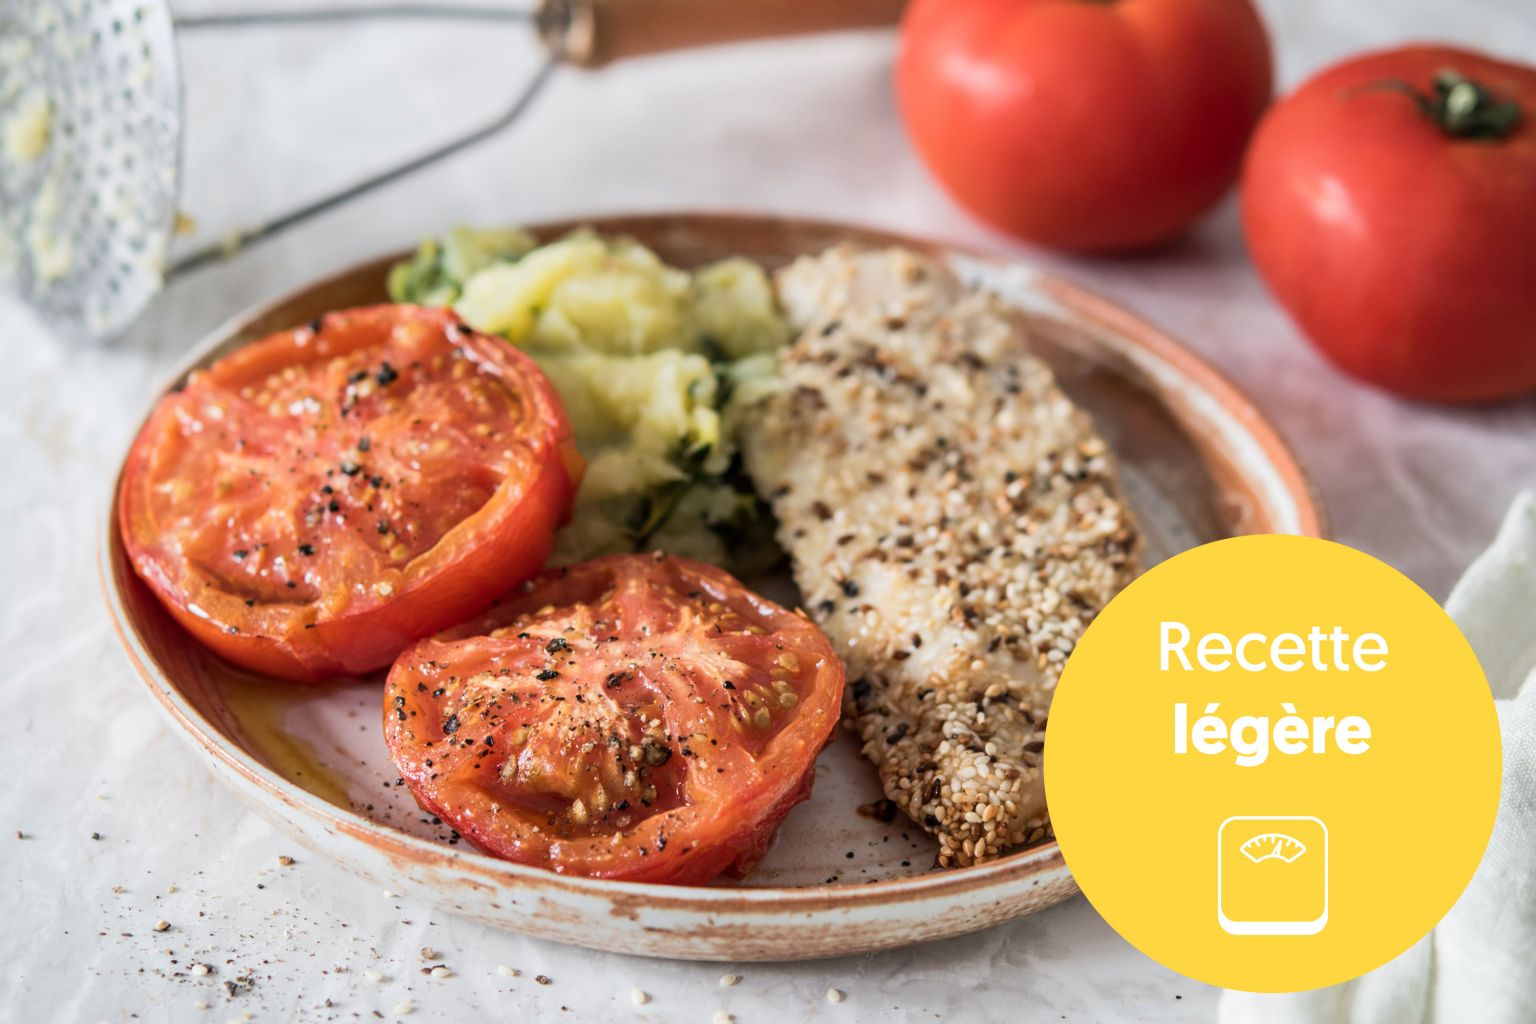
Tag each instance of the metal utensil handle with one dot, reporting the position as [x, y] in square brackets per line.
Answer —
[214, 253]
[219, 251]
[593, 33]
[588, 33]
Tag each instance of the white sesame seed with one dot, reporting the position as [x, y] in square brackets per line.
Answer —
[162, 925]
[373, 975]
[200, 1005]
[1011, 506]
[200, 969]
[404, 1007]
[721, 1017]
[441, 972]
[727, 980]
[639, 998]
[388, 895]
[835, 995]
[170, 889]
[507, 972]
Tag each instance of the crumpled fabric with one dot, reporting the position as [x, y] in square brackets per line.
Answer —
[1479, 963]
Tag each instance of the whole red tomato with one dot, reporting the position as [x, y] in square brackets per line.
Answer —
[1086, 124]
[1390, 203]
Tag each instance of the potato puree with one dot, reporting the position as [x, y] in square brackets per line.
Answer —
[654, 365]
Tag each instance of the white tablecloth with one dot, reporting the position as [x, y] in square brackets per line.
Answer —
[803, 127]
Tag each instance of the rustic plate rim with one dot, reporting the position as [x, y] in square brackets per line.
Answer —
[1280, 457]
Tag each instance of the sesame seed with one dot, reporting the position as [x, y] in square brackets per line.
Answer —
[405, 1007]
[729, 980]
[285, 860]
[441, 972]
[507, 972]
[201, 970]
[835, 995]
[373, 975]
[721, 1017]
[162, 925]
[638, 997]
[960, 472]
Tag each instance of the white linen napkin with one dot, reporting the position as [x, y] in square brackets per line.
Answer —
[1479, 963]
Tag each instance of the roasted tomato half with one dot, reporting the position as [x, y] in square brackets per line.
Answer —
[317, 500]
[638, 717]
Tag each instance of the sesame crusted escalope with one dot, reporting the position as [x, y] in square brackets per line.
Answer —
[954, 523]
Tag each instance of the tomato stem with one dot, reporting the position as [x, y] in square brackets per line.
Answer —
[1462, 108]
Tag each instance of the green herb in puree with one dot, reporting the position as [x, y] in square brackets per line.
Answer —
[656, 367]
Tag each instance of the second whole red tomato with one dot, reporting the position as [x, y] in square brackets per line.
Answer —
[1094, 125]
[1390, 204]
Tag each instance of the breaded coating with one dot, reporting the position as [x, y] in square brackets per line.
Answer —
[954, 523]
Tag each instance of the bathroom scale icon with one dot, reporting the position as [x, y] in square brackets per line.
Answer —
[1272, 875]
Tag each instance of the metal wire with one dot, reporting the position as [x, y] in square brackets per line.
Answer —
[343, 14]
[215, 253]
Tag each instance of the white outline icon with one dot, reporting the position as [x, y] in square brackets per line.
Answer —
[1273, 844]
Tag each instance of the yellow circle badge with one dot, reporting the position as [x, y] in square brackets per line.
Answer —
[1272, 763]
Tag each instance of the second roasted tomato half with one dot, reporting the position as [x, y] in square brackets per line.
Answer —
[312, 503]
[635, 717]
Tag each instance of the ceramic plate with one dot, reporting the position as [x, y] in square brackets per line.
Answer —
[1199, 463]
